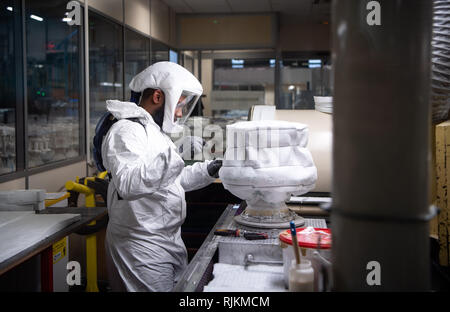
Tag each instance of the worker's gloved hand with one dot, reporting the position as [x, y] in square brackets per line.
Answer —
[214, 167]
[188, 146]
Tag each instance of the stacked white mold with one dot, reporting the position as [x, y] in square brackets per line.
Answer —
[265, 162]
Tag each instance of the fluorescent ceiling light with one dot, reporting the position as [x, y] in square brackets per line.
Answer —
[237, 62]
[37, 18]
[314, 66]
[66, 19]
[237, 66]
[291, 87]
[315, 61]
[110, 84]
[9, 9]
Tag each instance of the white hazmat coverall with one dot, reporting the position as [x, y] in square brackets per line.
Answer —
[146, 202]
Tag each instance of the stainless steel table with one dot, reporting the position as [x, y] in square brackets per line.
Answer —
[199, 271]
[199, 267]
[87, 215]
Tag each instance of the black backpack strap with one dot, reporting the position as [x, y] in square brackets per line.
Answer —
[135, 119]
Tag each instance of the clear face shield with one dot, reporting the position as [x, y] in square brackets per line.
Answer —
[185, 107]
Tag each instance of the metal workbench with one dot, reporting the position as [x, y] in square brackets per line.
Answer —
[199, 271]
[201, 265]
[87, 215]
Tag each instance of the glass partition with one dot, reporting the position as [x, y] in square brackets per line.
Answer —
[105, 66]
[160, 52]
[137, 56]
[173, 56]
[53, 83]
[8, 35]
[301, 80]
[188, 62]
[241, 83]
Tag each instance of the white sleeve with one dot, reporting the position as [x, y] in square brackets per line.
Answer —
[134, 171]
[196, 176]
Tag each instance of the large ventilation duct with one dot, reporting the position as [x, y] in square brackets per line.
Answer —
[440, 60]
[381, 119]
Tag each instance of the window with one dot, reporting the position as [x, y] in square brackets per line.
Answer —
[105, 66]
[300, 80]
[54, 92]
[188, 62]
[241, 83]
[137, 56]
[160, 52]
[173, 56]
[8, 33]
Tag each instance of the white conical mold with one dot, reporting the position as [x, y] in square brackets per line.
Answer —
[265, 162]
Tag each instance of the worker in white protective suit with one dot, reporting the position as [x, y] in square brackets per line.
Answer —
[146, 200]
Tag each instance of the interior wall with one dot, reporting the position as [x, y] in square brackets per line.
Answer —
[173, 28]
[18, 184]
[207, 31]
[112, 8]
[207, 81]
[159, 21]
[304, 37]
[269, 95]
[137, 15]
[54, 180]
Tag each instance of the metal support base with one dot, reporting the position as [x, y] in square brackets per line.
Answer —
[266, 223]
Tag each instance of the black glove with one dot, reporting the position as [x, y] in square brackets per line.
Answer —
[213, 168]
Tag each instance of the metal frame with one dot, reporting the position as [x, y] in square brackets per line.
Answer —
[86, 92]
[18, 58]
[24, 103]
[83, 79]
[20, 46]
[123, 52]
[199, 55]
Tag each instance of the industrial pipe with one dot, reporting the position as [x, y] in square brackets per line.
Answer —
[381, 119]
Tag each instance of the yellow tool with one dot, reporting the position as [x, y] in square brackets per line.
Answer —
[51, 202]
[91, 240]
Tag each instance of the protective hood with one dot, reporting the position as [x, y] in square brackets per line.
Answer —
[124, 110]
[175, 81]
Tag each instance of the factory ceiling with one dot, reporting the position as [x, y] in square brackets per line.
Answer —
[291, 11]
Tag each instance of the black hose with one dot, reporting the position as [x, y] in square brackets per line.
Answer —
[92, 229]
[101, 188]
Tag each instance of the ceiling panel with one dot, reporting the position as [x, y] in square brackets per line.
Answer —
[179, 6]
[321, 11]
[209, 6]
[240, 6]
[291, 5]
[291, 10]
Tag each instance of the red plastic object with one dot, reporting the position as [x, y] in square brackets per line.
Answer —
[308, 240]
